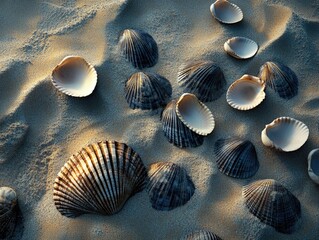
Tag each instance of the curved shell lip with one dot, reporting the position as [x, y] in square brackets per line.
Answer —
[249, 52]
[230, 6]
[81, 90]
[313, 176]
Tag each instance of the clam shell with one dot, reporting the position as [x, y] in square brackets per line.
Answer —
[236, 157]
[313, 165]
[8, 212]
[169, 186]
[273, 204]
[139, 48]
[246, 93]
[74, 76]
[241, 47]
[203, 79]
[226, 12]
[195, 114]
[147, 91]
[176, 131]
[201, 235]
[99, 179]
[285, 134]
[280, 78]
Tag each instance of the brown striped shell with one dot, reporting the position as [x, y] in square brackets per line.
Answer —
[201, 235]
[8, 212]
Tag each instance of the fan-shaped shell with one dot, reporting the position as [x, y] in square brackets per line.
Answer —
[273, 204]
[241, 47]
[280, 78]
[285, 134]
[226, 12]
[176, 131]
[74, 76]
[313, 165]
[8, 212]
[139, 48]
[246, 93]
[169, 186]
[195, 114]
[147, 91]
[236, 157]
[99, 179]
[203, 79]
[201, 235]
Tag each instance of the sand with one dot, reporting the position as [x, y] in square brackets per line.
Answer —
[41, 127]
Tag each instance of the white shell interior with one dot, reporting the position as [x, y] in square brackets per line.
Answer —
[313, 165]
[241, 47]
[226, 12]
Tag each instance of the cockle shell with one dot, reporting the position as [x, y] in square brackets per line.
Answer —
[139, 48]
[99, 179]
[169, 186]
[246, 93]
[226, 12]
[195, 114]
[241, 47]
[74, 76]
[204, 79]
[273, 204]
[285, 134]
[201, 235]
[313, 165]
[8, 212]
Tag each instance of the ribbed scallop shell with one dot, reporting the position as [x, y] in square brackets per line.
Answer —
[201, 235]
[236, 157]
[176, 131]
[273, 204]
[195, 114]
[280, 78]
[99, 179]
[147, 91]
[74, 76]
[285, 134]
[313, 165]
[203, 79]
[8, 212]
[241, 47]
[226, 12]
[139, 48]
[169, 186]
[246, 93]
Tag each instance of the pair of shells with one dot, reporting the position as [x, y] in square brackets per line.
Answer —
[201, 235]
[8, 212]
[313, 165]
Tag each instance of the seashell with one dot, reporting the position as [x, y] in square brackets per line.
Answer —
[285, 134]
[169, 186]
[176, 131]
[139, 48]
[236, 157]
[99, 179]
[313, 165]
[201, 235]
[246, 93]
[226, 12]
[74, 77]
[147, 91]
[241, 47]
[203, 79]
[195, 114]
[280, 78]
[8, 212]
[273, 204]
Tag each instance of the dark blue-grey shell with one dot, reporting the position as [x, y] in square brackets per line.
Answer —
[8, 212]
[201, 235]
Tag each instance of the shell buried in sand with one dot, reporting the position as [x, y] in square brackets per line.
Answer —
[8, 212]
[241, 47]
[226, 12]
[313, 165]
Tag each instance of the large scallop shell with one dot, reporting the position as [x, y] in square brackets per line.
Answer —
[99, 179]
[285, 134]
[176, 131]
[8, 212]
[246, 93]
[169, 186]
[236, 157]
[201, 235]
[313, 165]
[74, 76]
[203, 79]
[273, 204]
[280, 78]
[195, 114]
[226, 12]
[241, 47]
[147, 91]
[139, 48]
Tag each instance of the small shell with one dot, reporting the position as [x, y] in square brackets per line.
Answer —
[226, 12]
[201, 235]
[8, 212]
[176, 131]
[147, 91]
[313, 165]
[74, 77]
[241, 47]
[169, 186]
[285, 134]
[236, 157]
[195, 114]
[273, 204]
[246, 93]
[203, 79]
[139, 48]
[280, 78]
[99, 179]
